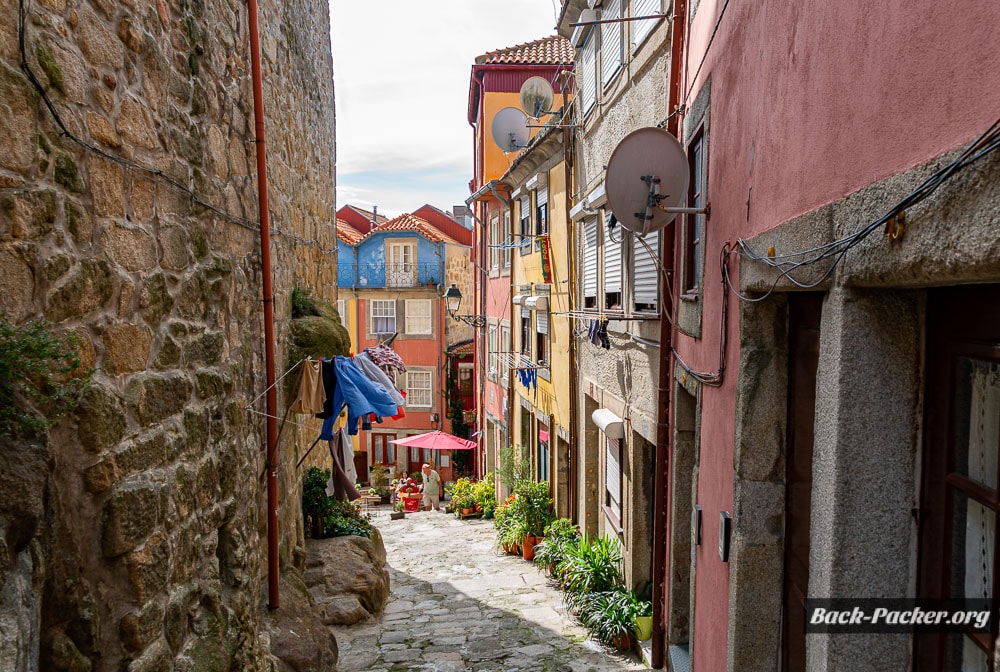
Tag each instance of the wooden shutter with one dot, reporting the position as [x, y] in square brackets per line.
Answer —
[612, 259]
[644, 269]
[590, 257]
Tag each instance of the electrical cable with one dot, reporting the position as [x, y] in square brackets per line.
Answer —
[704, 54]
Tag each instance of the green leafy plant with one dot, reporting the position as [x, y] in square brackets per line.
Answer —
[39, 377]
[461, 495]
[344, 519]
[535, 505]
[591, 566]
[514, 466]
[303, 304]
[609, 616]
[316, 506]
[559, 535]
[484, 494]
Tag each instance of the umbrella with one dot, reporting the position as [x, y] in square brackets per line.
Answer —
[436, 440]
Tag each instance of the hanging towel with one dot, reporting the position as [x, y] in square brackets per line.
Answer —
[340, 487]
[383, 355]
[378, 376]
[593, 332]
[311, 396]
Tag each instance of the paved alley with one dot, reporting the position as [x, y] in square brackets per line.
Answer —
[455, 604]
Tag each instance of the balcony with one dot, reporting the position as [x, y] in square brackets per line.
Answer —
[373, 276]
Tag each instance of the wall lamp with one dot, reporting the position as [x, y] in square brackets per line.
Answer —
[453, 300]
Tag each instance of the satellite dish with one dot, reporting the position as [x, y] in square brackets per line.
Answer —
[510, 129]
[536, 96]
[647, 171]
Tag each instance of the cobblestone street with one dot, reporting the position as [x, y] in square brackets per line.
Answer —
[455, 604]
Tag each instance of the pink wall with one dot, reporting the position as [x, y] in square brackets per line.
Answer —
[811, 101]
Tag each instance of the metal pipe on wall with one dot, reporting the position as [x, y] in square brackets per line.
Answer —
[661, 482]
[268, 299]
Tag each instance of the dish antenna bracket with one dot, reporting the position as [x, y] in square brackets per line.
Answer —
[654, 199]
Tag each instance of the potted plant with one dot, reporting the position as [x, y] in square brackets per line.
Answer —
[550, 551]
[397, 513]
[610, 617]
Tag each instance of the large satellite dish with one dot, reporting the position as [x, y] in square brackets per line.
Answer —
[647, 172]
[536, 96]
[510, 129]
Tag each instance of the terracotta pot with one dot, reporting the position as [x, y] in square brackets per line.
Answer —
[468, 512]
[528, 547]
[623, 642]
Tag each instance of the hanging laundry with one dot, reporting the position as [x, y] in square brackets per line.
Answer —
[383, 355]
[329, 376]
[347, 449]
[593, 332]
[378, 376]
[603, 334]
[340, 486]
[361, 395]
[311, 395]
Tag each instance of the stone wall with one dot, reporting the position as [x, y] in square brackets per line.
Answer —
[133, 532]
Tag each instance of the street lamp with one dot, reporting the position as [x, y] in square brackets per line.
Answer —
[453, 300]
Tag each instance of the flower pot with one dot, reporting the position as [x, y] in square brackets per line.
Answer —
[468, 511]
[528, 547]
[411, 504]
[623, 642]
[397, 515]
[643, 627]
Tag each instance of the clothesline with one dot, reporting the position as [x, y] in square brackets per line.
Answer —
[617, 317]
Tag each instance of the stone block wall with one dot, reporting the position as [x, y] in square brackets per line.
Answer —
[133, 533]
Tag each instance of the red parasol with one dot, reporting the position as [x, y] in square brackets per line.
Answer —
[436, 440]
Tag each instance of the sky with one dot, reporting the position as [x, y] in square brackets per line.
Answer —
[401, 80]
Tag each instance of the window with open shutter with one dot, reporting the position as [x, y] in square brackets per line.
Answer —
[613, 478]
[644, 271]
[525, 207]
[611, 42]
[612, 264]
[590, 262]
[640, 29]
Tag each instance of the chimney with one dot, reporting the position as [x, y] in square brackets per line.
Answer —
[374, 217]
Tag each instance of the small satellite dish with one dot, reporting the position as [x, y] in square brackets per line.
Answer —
[510, 129]
[536, 96]
[647, 171]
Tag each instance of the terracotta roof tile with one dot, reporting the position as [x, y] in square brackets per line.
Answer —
[347, 233]
[549, 50]
[463, 348]
[407, 222]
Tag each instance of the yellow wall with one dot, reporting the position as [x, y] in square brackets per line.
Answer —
[495, 162]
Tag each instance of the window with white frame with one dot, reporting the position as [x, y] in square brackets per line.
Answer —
[525, 206]
[588, 72]
[504, 350]
[542, 341]
[645, 271]
[590, 262]
[506, 239]
[491, 356]
[418, 316]
[611, 42]
[342, 311]
[640, 29]
[526, 332]
[541, 214]
[612, 263]
[418, 389]
[383, 316]
[613, 478]
[494, 242]
[401, 271]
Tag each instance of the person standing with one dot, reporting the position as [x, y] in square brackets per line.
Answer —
[432, 487]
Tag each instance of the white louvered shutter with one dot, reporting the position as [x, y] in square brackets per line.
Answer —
[644, 271]
[640, 29]
[611, 41]
[588, 65]
[613, 477]
[590, 258]
[612, 260]
[542, 321]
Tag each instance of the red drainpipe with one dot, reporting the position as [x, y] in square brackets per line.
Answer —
[661, 484]
[265, 263]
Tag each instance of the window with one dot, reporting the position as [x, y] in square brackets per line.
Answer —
[542, 340]
[418, 316]
[504, 349]
[494, 237]
[418, 389]
[342, 311]
[590, 262]
[588, 69]
[491, 356]
[541, 214]
[640, 29]
[526, 332]
[645, 273]
[506, 238]
[525, 204]
[383, 451]
[383, 317]
[465, 378]
[544, 472]
[613, 479]
[402, 265]
[611, 42]
[612, 264]
[694, 224]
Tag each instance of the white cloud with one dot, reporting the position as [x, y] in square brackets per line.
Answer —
[401, 73]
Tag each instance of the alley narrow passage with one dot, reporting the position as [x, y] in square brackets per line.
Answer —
[455, 604]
